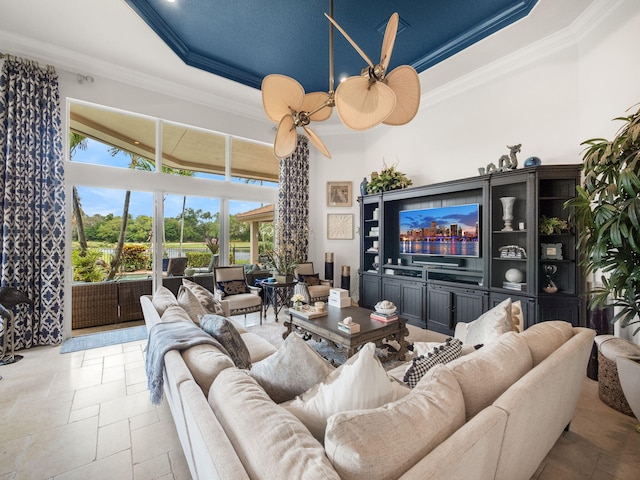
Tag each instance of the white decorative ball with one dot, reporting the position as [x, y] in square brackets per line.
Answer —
[514, 275]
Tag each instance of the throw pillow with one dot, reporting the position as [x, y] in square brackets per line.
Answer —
[191, 304]
[360, 383]
[204, 296]
[223, 330]
[292, 370]
[444, 353]
[310, 280]
[233, 287]
[517, 316]
[162, 299]
[490, 325]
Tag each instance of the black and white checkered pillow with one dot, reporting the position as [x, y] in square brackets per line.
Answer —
[450, 350]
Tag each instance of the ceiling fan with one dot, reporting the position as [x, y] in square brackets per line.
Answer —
[362, 102]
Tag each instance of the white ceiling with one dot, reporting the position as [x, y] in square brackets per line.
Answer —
[106, 38]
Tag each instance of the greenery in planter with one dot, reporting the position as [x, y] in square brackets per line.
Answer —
[388, 179]
[607, 210]
[551, 225]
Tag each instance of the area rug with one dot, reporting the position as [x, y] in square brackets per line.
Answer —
[272, 332]
[104, 339]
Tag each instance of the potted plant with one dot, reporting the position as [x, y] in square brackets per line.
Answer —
[551, 225]
[607, 211]
[283, 260]
[388, 179]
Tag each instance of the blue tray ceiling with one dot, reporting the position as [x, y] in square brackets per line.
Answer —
[245, 40]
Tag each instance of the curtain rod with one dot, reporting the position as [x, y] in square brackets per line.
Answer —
[79, 76]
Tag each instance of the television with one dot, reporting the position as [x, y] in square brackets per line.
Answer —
[441, 231]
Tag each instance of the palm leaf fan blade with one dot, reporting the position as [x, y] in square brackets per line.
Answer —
[405, 83]
[362, 105]
[314, 100]
[286, 138]
[389, 40]
[315, 139]
[280, 95]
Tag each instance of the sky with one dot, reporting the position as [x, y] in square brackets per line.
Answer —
[104, 201]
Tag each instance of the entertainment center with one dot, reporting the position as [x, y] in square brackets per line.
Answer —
[446, 253]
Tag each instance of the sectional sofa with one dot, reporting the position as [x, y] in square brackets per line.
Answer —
[492, 414]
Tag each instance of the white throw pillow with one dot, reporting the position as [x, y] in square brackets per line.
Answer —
[292, 370]
[490, 325]
[360, 383]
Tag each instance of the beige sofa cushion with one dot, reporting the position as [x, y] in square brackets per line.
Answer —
[271, 442]
[259, 348]
[205, 363]
[191, 304]
[546, 337]
[162, 299]
[175, 313]
[291, 371]
[360, 383]
[490, 325]
[385, 442]
[488, 372]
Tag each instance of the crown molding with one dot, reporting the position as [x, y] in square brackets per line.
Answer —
[237, 99]
[569, 37]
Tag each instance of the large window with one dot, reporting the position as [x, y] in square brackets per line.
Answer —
[125, 209]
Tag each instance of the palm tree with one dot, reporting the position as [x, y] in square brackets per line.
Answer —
[136, 163]
[77, 141]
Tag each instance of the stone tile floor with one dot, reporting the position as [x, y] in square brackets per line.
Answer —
[87, 415]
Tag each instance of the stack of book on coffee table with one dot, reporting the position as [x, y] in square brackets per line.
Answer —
[384, 317]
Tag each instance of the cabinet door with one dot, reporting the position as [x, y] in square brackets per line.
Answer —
[439, 310]
[392, 291]
[412, 304]
[468, 305]
[559, 308]
[370, 291]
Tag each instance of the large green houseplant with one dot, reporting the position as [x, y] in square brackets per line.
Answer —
[607, 211]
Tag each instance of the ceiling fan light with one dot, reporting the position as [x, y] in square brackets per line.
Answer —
[405, 83]
[362, 106]
[280, 95]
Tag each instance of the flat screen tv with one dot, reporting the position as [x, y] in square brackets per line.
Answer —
[441, 231]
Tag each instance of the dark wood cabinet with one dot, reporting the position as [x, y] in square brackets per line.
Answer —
[517, 259]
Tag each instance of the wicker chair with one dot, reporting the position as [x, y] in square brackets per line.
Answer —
[177, 266]
[307, 286]
[228, 279]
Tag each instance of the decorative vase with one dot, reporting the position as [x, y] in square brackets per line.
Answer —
[514, 275]
[363, 187]
[507, 212]
[284, 278]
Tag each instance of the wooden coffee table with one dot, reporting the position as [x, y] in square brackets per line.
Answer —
[326, 328]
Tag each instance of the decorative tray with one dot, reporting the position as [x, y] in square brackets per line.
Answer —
[307, 312]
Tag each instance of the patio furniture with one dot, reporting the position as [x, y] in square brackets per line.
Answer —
[231, 285]
[94, 304]
[310, 285]
[177, 266]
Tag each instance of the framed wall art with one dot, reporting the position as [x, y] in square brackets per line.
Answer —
[339, 194]
[340, 226]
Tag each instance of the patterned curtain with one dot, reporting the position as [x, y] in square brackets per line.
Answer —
[292, 220]
[32, 195]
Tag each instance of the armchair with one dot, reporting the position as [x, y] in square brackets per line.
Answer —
[176, 267]
[230, 285]
[310, 285]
